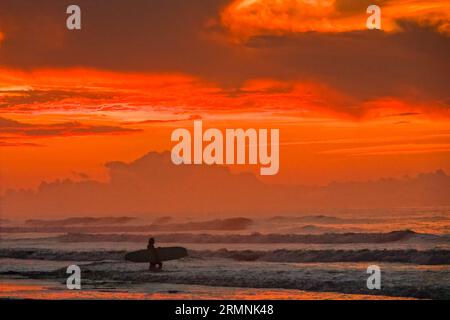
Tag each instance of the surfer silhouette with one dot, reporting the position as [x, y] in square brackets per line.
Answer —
[157, 263]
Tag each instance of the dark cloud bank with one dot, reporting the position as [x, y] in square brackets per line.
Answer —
[187, 36]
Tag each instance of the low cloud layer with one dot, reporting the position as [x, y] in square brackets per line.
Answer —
[153, 186]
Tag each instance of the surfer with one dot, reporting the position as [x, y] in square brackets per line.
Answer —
[157, 264]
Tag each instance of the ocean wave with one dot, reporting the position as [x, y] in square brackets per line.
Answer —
[80, 221]
[327, 238]
[231, 224]
[397, 280]
[322, 219]
[425, 257]
[61, 255]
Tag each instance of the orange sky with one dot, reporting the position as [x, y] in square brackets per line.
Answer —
[247, 18]
[65, 116]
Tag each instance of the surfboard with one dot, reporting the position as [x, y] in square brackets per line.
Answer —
[165, 254]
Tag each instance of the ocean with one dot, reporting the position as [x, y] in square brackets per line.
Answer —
[309, 255]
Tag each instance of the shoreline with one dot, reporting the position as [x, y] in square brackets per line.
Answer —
[32, 289]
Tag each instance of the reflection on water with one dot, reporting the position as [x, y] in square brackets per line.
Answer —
[27, 289]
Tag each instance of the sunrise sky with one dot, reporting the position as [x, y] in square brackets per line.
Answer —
[351, 104]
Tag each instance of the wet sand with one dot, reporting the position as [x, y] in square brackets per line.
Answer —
[36, 289]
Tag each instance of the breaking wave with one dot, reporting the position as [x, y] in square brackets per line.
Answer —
[425, 257]
[80, 221]
[327, 238]
[78, 225]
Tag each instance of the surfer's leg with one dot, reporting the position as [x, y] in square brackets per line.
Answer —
[159, 265]
[151, 266]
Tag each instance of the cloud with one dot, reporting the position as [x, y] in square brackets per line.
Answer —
[161, 31]
[156, 121]
[190, 37]
[245, 19]
[158, 98]
[80, 175]
[20, 129]
[18, 144]
[392, 149]
[364, 65]
[153, 186]
[14, 98]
